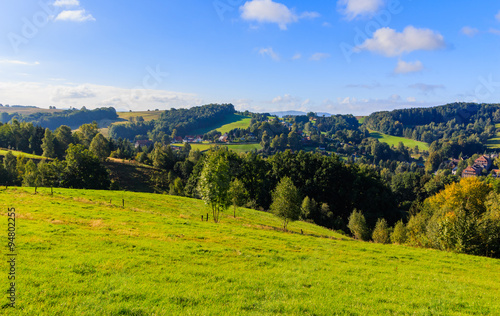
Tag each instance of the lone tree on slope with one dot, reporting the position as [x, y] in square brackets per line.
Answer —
[214, 183]
[286, 202]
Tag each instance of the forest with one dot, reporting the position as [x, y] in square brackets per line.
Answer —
[383, 195]
[72, 117]
[173, 123]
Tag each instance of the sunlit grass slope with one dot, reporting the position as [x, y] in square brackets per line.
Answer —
[146, 115]
[81, 253]
[229, 123]
[494, 143]
[4, 152]
[394, 140]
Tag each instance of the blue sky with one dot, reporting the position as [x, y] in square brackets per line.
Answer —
[345, 56]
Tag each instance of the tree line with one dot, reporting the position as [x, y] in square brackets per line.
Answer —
[73, 117]
[173, 123]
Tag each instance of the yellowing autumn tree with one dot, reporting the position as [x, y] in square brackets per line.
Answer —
[457, 214]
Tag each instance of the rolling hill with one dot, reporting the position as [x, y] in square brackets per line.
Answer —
[80, 252]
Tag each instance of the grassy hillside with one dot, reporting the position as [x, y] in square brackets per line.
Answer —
[146, 115]
[394, 140]
[4, 151]
[243, 148]
[229, 123]
[130, 175]
[81, 253]
[494, 143]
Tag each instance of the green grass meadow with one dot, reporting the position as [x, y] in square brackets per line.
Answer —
[146, 115]
[394, 140]
[229, 123]
[4, 152]
[82, 253]
[494, 143]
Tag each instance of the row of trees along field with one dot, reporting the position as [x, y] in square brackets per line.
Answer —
[175, 122]
[467, 125]
[74, 159]
[73, 117]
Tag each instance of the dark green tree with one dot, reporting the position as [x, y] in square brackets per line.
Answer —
[100, 147]
[48, 146]
[84, 170]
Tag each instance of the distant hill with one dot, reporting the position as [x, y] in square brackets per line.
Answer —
[297, 113]
[52, 119]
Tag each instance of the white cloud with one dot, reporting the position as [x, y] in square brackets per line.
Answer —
[269, 52]
[284, 99]
[319, 56]
[93, 96]
[363, 106]
[66, 3]
[404, 67]
[79, 92]
[268, 11]
[297, 56]
[388, 42]
[359, 8]
[498, 16]
[427, 88]
[469, 31]
[375, 85]
[310, 15]
[494, 31]
[395, 97]
[18, 62]
[288, 102]
[75, 16]
[326, 24]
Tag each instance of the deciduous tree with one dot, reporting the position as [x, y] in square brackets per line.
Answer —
[214, 182]
[286, 202]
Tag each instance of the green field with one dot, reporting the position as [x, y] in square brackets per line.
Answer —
[394, 140]
[361, 119]
[243, 148]
[4, 152]
[229, 123]
[81, 253]
[146, 115]
[494, 143]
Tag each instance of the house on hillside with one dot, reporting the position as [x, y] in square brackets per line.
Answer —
[142, 143]
[480, 164]
[223, 138]
[472, 171]
[483, 161]
[177, 139]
